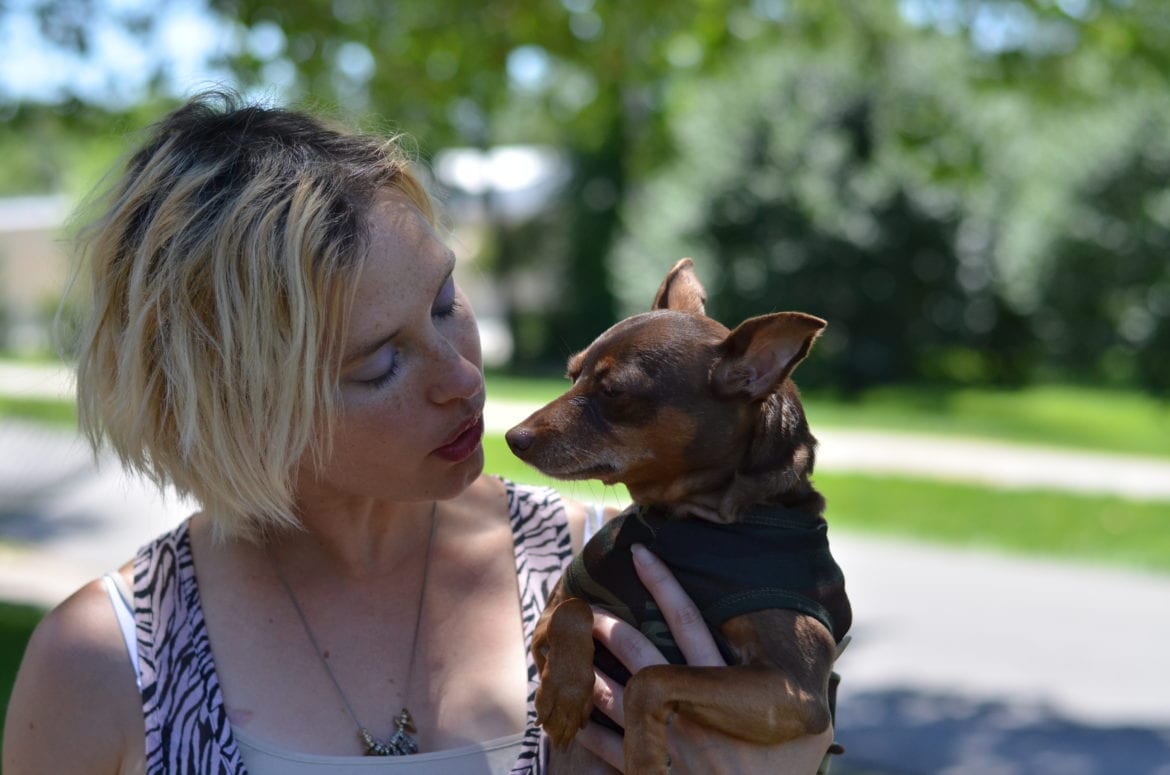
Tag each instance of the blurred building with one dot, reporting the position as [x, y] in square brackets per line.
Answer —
[478, 188]
[506, 183]
[33, 270]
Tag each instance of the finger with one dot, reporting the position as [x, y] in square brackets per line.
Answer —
[625, 642]
[682, 616]
[603, 743]
[608, 696]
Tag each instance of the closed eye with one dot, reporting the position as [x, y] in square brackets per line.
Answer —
[447, 300]
[379, 368]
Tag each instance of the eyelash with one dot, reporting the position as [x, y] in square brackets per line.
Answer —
[448, 311]
[380, 381]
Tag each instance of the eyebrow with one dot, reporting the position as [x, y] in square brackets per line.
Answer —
[372, 347]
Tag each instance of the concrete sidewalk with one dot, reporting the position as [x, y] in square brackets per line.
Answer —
[962, 663]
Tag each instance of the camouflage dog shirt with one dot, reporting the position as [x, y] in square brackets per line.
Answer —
[773, 557]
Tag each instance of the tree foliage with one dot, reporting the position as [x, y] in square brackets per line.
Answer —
[969, 190]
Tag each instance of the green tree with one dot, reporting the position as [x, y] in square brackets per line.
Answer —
[915, 188]
[1105, 312]
[585, 76]
[923, 173]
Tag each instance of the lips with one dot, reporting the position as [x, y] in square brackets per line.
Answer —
[463, 442]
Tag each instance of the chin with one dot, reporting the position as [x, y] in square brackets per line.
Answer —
[462, 475]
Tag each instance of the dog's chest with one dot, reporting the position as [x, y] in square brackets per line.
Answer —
[772, 558]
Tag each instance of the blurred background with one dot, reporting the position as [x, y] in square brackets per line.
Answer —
[974, 193]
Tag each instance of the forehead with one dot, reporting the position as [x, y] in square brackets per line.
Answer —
[401, 240]
[405, 265]
[651, 339]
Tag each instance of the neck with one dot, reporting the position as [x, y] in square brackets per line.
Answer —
[356, 538]
[329, 545]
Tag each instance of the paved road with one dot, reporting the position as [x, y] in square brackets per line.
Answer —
[963, 662]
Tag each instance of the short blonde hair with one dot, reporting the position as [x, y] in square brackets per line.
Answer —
[222, 268]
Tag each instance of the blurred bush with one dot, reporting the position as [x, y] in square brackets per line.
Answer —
[970, 191]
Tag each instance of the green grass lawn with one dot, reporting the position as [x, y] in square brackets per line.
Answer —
[1072, 417]
[1097, 529]
[1076, 417]
[16, 624]
[63, 413]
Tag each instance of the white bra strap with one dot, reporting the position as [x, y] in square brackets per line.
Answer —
[594, 519]
[120, 598]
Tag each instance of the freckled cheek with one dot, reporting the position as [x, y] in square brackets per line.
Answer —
[376, 447]
[375, 428]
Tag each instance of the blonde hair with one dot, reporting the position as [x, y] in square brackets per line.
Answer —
[222, 266]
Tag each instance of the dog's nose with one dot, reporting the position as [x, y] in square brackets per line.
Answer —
[519, 438]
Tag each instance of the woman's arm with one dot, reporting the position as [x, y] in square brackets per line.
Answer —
[75, 707]
[692, 748]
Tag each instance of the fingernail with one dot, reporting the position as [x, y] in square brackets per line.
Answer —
[642, 555]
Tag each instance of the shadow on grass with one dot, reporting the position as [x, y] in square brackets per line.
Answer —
[903, 732]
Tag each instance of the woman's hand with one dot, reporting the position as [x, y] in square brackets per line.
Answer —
[693, 749]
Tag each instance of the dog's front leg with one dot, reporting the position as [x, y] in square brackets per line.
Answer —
[563, 651]
[753, 703]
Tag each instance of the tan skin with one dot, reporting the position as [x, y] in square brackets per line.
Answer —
[357, 569]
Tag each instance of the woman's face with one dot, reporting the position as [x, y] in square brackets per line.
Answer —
[410, 419]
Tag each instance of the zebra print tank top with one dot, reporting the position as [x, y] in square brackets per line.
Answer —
[187, 729]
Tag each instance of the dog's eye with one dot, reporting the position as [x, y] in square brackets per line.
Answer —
[610, 391]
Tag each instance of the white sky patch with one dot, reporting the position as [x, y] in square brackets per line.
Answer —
[184, 41]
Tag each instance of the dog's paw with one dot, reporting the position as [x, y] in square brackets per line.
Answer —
[563, 706]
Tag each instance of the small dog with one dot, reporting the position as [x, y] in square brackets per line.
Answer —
[707, 432]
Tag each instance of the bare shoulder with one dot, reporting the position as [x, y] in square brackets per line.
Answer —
[75, 683]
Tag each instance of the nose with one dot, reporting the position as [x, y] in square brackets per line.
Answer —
[458, 380]
[519, 439]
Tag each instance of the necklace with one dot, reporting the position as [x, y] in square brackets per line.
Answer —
[401, 741]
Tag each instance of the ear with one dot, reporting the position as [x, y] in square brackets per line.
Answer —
[762, 352]
[681, 290]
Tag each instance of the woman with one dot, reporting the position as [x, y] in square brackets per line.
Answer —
[275, 330]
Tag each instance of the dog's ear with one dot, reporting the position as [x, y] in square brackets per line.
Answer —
[681, 290]
[762, 352]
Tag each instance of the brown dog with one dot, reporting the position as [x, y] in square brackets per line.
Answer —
[706, 430]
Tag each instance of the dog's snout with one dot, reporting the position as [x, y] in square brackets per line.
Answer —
[519, 438]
